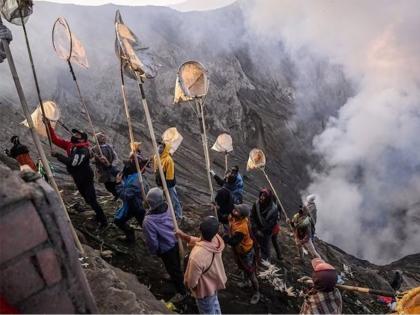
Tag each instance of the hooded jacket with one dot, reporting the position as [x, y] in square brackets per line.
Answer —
[264, 216]
[168, 166]
[205, 284]
[129, 191]
[78, 156]
[236, 187]
[240, 227]
[158, 229]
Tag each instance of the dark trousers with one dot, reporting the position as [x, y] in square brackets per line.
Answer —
[87, 190]
[110, 186]
[265, 246]
[134, 211]
[172, 264]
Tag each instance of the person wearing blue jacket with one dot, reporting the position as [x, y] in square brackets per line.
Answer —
[158, 229]
[233, 182]
[129, 191]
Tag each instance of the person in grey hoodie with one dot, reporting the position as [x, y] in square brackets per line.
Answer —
[159, 231]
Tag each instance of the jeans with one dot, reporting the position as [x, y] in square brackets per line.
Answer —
[209, 305]
[175, 202]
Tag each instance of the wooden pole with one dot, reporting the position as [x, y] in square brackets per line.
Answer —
[226, 161]
[162, 175]
[35, 137]
[275, 194]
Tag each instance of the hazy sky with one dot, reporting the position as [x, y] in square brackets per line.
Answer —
[182, 5]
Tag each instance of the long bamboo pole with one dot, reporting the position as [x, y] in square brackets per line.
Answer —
[162, 175]
[275, 194]
[35, 137]
[131, 132]
[202, 122]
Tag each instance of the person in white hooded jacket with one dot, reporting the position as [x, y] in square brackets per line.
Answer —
[311, 206]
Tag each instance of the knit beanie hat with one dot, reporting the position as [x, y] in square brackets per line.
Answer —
[155, 198]
[319, 265]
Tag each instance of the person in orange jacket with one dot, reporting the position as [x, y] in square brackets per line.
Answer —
[20, 153]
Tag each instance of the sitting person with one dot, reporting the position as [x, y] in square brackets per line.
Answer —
[324, 297]
[128, 189]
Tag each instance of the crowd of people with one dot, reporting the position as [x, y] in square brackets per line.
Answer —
[250, 230]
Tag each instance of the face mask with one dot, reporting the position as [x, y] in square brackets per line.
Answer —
[160, 148]
[74, 139]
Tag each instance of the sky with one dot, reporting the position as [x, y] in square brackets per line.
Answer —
[181, 5]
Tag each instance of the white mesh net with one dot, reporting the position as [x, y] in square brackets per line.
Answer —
[223, 143]
[173, 137]
[256, 159]
[51, 111]
[191, 82]
[12, 10]
[67, 45]
[137, 61]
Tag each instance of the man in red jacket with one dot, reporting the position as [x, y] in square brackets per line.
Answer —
[77, 163]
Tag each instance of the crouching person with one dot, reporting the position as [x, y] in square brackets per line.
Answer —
[243, 246]
[159, 231]
[128, 189]
[205, 274]
[324, 297]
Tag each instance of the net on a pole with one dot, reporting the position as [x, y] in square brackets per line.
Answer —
[52, 112]
[12, 10]
[191, 82]
[223, 143]
[173, 137]
[256, 160]
[137, 60]
[66, 44]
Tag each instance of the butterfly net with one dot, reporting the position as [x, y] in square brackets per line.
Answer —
[191, 82]
[173, 137]
[256, 159]
[16, 10]
[136, 59]
[223, 143]
[52, 112]
[66, 45]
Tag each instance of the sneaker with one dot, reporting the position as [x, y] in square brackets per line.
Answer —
[255, 298]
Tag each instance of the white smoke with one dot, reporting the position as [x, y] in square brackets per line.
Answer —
[369, 191]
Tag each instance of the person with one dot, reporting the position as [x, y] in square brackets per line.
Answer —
[223, 202]
[232, 181]
[128, 189]
[311, 206]
[324, 297]
[303, 230]
[105, 164]
[144, 162]
[205, 273]
[240, 239]
[168, 166]
[264, 223]
[159, 232]
[20, 153]
[77, 164]
[5, 34]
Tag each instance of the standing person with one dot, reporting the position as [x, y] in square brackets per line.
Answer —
[205, 274]
[144, 162]
[158, 229]
[77, 164]
[264, 222]
[232, 181]
[128, 189]
[324, 297]
[311, 206]
[168, 166]
[224, 206]
[243, 246]
[105, 164]
[302, 228]
[20, 153]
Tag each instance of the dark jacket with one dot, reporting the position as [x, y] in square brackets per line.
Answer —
[106, 173]
[225, 204]
[264, 217]
[129, 191]
[236, 187]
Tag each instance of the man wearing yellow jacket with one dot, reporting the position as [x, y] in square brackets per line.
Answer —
[168, 166]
